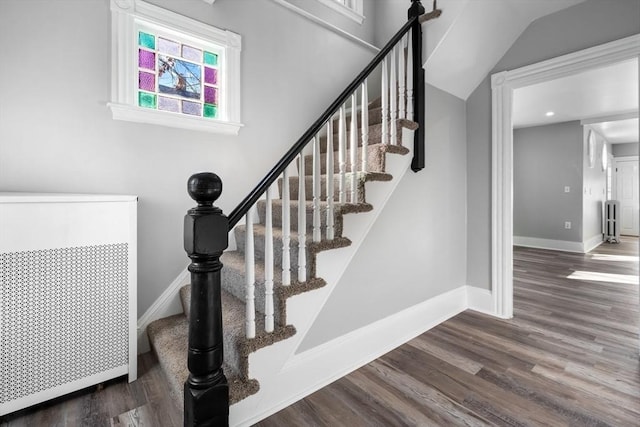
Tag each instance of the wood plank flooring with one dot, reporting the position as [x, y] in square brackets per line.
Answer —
[144, 402]
[568, 357]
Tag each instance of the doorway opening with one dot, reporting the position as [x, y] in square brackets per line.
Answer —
[503, 86]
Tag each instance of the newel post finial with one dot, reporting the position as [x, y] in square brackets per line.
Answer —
[205, 188]
[416, 8]
[206, 229]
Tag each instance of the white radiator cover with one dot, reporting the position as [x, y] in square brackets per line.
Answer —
[68, 277]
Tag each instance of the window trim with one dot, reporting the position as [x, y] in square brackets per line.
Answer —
[355, 13]
[126, 15]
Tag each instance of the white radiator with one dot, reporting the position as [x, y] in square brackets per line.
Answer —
[612, 221]
[67, 294]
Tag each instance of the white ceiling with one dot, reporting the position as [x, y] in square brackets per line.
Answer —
[618, 131]
[471, 36]
[610, 93]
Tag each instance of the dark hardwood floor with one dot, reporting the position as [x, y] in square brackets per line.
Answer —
[144, 402]
[568, 357]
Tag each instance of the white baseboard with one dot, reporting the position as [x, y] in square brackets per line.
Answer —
[167, 304]
[554, 245]
[592, 243]
[313, 369]
[480, 300]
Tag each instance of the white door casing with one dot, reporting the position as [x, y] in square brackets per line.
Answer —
[628, 196]
[502, 86]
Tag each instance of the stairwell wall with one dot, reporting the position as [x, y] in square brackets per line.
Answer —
[57, 134]
[584, 25]
[416, 250]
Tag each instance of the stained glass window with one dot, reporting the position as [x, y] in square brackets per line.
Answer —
[177, 77]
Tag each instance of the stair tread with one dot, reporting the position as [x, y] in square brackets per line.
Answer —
[170, 339]
[365, 176]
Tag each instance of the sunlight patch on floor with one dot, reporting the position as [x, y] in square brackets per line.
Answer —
[604, 277]
[621, 258]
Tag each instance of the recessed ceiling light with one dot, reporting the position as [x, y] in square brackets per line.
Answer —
[550, 113]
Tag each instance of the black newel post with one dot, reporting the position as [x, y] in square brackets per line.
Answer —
[417, 163]
[206, 392]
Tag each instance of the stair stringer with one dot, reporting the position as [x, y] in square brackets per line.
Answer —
[272, 364]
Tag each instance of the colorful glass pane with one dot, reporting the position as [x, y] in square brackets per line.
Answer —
[210, 75]
[146, 40]
[191, 53]
[210, 58]
[168, 46]
[146, 59]
[147, 81]
[210, 110]
[178, 77]
[168, 104]
[192, 108]
[210, 95]
[147, 100]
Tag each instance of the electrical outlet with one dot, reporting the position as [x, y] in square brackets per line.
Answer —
[567, 189]
[567, 225]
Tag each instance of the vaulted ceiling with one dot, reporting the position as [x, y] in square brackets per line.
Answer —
[465, 43]
[471, 36]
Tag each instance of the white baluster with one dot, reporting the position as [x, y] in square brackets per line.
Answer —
[365, 124]
[410, 77]
[330, 153]
[354, 146]
[286, 230]
[302, 224]
[394, 98]
[342, 142]
[317, 234]
[268, 266]
[250, 277]
[385, 102]
[402, 76]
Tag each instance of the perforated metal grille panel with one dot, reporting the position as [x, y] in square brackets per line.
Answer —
[64, 316]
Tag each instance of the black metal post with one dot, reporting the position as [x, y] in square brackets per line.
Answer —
[206, 392]
[418, 161]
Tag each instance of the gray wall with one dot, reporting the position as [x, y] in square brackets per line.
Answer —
[389, 17]
[416, 249]
[57, 134]
[627, 149]
[545, 160]
[587, 24]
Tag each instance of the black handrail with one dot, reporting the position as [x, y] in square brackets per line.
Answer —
[246, 204]
[416, 18]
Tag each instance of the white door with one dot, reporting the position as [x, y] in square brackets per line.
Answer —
[627, 194]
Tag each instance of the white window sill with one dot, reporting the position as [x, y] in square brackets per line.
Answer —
[344, 10]
[163, 118]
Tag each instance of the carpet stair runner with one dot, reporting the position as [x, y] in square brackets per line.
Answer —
[169, 336]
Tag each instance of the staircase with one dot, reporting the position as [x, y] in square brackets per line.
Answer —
[169, 335]
[292, 248]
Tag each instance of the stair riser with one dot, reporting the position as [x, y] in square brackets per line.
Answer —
[259, 249]
[375, 161]
[233, 281]
[375, 137]
[293, 189]
[293, 215]
[375, 117]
